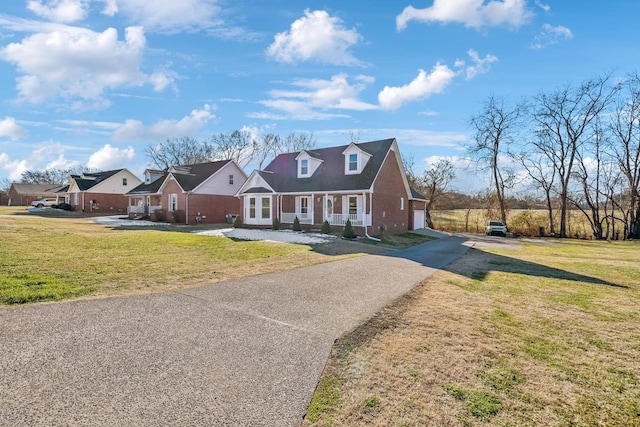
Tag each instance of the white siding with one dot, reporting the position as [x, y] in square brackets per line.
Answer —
[218, 183]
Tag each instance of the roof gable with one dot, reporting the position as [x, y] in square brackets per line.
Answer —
[188, 177]
[330, 174]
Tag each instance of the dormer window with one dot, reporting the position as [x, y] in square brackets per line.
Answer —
[355, 159]
[307, 164]
[353, 162]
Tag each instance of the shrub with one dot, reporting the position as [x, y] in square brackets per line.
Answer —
[276, 224]
[296, 225]
[237, 223]
[348, 232]
[64, 206]
[326, 227]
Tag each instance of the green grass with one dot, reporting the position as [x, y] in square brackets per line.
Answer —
[325, 401]
[55, 258]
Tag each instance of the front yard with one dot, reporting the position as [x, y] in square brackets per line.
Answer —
[54, 255]
[542, 335]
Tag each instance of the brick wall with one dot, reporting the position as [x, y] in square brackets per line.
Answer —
[212, 209]
[388, 190]
[103, 203]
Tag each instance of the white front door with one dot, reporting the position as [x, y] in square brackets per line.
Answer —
[257, 210]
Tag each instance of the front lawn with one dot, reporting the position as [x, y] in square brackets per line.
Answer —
[55, 256]
[544, 335]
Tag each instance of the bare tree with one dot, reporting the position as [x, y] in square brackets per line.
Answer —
[495, 127]
[238, 146]
[266, 147]
[435, 181]
[5, 185]
[543, 174]
[298, 141]
[49, 176]
[588, 173]
[562, 120]
[179, 151]
[625, 145]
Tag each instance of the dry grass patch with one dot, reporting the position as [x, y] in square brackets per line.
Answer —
[543, 336]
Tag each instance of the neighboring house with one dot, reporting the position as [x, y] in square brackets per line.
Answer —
[101, 192]
[363, 182]
[189, 194]
[23, 194]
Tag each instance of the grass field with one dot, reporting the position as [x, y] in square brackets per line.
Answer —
[547, 335]
[525, 222]
[59, 255]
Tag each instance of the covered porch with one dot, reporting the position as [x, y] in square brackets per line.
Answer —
[315, 208]
[144, 204]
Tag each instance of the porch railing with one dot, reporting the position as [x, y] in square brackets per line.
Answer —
[334, 219]
[304, 218]
[143, 209]
[356, 219]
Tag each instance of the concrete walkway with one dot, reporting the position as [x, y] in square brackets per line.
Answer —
[245, 352]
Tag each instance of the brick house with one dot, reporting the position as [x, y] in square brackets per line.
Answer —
[101, 192]
[363, 182]
[189, 194]
[20, 194]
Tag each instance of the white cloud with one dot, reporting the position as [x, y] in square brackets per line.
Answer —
[15, 168]
[543, 6]
[480, 65]
[423, 86]
[109, 157]
[551, 35]
[471, 13]
[79, 64]
[167, 16]
[134, 130]
[61, 163]
[60, 10]
[312, 95]
[110, 7]
[9, 128]
[316, 37]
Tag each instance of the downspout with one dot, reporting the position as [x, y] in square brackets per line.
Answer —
[186, 208]
[364, 216]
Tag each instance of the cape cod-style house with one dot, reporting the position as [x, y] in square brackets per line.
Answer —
[100, 192]
[189, 194]
[362, 182]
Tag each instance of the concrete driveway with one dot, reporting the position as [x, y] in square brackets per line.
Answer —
[238, 353]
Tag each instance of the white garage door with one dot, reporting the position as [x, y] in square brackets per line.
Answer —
[418, 220]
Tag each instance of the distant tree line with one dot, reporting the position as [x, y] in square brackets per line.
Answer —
[577, 146]
[239, 145]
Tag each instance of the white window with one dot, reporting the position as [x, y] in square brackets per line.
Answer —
[304, 167]
[230, 179]
[173, 202]
[353, 162]
[124, 181]
[266, 207]
[401, 203]
[252, 207]
[353, 205]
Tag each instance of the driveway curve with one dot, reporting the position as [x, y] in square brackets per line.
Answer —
[245, 352]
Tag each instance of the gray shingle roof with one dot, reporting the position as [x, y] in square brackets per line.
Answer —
[281, 173]
[93, 179]
[188, 176]
[35, 189]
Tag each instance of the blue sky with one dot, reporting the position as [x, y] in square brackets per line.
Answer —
[94, 82]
